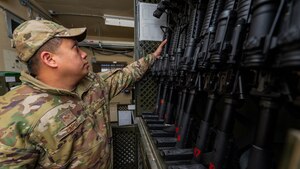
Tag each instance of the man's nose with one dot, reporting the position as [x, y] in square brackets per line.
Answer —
[83, 54]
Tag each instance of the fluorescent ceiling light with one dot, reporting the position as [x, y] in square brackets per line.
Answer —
[118, 21]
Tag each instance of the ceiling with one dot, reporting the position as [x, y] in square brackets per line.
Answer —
[89, 13]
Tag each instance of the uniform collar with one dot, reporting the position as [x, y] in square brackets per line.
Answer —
[83, 86]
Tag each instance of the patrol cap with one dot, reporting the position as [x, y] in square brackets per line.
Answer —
[29, 36]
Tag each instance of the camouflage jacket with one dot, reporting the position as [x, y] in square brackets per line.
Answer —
[45, 127]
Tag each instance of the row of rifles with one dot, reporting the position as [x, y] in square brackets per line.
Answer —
[226, 62]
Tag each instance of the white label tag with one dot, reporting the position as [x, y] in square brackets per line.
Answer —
[10, 79]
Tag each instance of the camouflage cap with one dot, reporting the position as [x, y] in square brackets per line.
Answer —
[31, 35]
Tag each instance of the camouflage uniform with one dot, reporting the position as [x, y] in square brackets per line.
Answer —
[46, 127]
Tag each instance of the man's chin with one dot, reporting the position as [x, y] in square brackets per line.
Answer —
[85, 73]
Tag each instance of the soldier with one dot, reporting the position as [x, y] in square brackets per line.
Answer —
[59, 116]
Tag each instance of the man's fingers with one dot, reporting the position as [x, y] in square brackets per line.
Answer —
[163, 43]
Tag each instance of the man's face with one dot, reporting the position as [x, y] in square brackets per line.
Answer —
[71, 60]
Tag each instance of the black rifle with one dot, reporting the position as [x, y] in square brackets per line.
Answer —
[186, 62]
[258, 57]
[207, 37]
[192, 38]
[158, 71]
[210, 75]
[226, 55]
[218, 66]
[188, 72]
[175, 57]
[170, 68]
[164, 70]
[288, 38]
[161, 66]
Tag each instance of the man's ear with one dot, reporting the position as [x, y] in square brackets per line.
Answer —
[48, 59]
